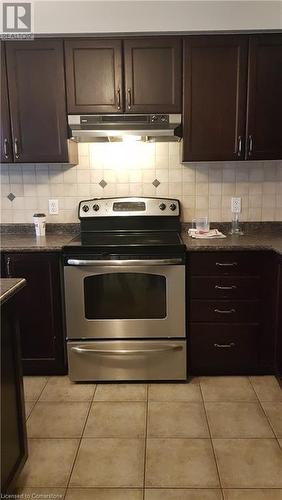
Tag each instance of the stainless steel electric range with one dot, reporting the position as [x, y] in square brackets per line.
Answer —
[125, 291]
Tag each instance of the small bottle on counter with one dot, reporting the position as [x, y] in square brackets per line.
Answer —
[40, 224]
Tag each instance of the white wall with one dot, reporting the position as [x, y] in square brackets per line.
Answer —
[74, 16]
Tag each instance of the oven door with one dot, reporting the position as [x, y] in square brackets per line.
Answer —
[125, 299]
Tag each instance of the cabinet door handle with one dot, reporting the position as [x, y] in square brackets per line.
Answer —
[239, 150]
[219, 287]
[224, 346]
[129, 98]
[224, 311]
[251, 144]
[226, 264]
[6, 151]
[8, 267]
[16, 148]
[118, 99]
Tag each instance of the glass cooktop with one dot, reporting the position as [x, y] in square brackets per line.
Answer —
[126, 239]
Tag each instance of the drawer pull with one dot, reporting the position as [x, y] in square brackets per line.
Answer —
[225, 311]
[231, 287]
[226, 264]
[224, 346]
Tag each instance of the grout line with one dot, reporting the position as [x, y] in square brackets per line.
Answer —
[37, 399]
[268, 419]
[80, 439]
[211, 441]
[145, 440]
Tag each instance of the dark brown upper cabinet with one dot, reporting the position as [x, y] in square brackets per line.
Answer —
[149, 82]
[6, 155]
[264, 111]
[36, 86]
[215, 83]
[152, 68]
[94, 76]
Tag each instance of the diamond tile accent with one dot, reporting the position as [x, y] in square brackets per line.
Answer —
[103, 183]
[156, 183]
[11, 196]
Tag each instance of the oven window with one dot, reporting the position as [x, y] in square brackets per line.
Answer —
[125, 296]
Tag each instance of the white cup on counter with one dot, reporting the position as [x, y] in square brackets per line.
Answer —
[40, 224]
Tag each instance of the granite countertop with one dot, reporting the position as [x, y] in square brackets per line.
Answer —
[254, 238]
[25, 242]
[10, 286]
[257, 236]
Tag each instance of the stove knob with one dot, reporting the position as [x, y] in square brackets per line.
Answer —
[85, 208]
[162, 206]
[172, 207]
[96, 208]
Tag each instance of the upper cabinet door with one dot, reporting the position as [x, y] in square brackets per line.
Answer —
[6, 150]
[37, 100]
[153, 75]
[93, 75]
[264, 115]
[215, 80]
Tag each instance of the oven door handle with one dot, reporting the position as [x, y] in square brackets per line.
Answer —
[112, 352]
[128, 262]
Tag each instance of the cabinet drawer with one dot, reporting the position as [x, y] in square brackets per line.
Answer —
[225, 287]
[223, 348]
[226, 311]
[224, 263]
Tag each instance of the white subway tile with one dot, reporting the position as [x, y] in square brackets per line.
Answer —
[162, 174]
[83, 176]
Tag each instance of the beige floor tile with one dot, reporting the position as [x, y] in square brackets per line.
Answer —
[194, 380]
[116, 419]
[180, 463]
[33, 387]
[49, 462]
[175, 392]
[177, 419]
[109, 463]
[104, 494]
[265, 494]
[41, 493]
[227, 389]
[249, 463]
[29, 405]
[181, 494]
[57, 420]
[121, 392]
[267, 388]
[274, 413]
[62, 389]
[237, 420]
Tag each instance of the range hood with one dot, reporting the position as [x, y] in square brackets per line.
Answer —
[125, 127]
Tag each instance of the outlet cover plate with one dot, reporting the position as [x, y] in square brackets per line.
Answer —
[235, 205]
[53, 207]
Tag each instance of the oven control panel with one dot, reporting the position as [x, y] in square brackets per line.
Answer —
[130, 206]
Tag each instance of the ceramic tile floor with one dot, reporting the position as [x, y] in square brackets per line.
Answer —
[213, 438]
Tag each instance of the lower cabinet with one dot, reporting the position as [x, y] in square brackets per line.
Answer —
[40, 311]
[231, 317]
[278, 360]
[13, 427]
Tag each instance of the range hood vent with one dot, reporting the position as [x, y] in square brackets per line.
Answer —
[120, 127]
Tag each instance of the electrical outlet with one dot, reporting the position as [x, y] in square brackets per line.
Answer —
[53, 207]
[235, 205]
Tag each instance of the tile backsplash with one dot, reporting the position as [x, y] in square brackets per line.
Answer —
[141, 169]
